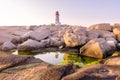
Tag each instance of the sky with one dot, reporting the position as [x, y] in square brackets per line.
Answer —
[73, 12]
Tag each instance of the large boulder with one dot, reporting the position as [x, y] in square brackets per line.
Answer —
[29, 45]
[107, 34]
[8, 46]
[92, 34]
[111, 40]
[56, 41]
[61, 32]
[72, 40]
[98, 48]
[45, 43]
[116, 31]
[36, 35]
[102, 26]
[79, 30]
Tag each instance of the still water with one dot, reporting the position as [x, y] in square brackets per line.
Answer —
[61, 58]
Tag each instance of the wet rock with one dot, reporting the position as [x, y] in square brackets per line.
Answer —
[98, 48]
[8, 46]
[29, 45]
[36, 35]
[102, 26]
[72, 40]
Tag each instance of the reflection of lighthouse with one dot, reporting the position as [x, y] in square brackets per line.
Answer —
[57, 22]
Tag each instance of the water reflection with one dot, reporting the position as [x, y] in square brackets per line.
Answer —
[51, 57]
[61, 58]
[56, 55]
[76, 60]
[15, 53]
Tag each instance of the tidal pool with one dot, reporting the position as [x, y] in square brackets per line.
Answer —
[61, 58]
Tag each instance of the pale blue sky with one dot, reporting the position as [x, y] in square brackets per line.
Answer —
[74, 12]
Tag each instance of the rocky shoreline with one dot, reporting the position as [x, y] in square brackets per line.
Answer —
[97, 41]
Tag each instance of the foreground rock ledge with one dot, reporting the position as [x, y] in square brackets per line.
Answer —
[15, 67]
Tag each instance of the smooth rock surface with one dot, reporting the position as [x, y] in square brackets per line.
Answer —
[113, 61]
[98, 48]
[116, 31]
[8, 60]
[8, 46]
[29, 45]
[56, 41]
[73, 40]
[35, 35]
[102, 26]
[97, 72]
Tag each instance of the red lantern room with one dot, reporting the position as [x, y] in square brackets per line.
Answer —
[57, 13]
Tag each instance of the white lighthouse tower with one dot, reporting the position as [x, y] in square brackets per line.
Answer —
[57, 22]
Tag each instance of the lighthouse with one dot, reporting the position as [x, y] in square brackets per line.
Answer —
[57, 22]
